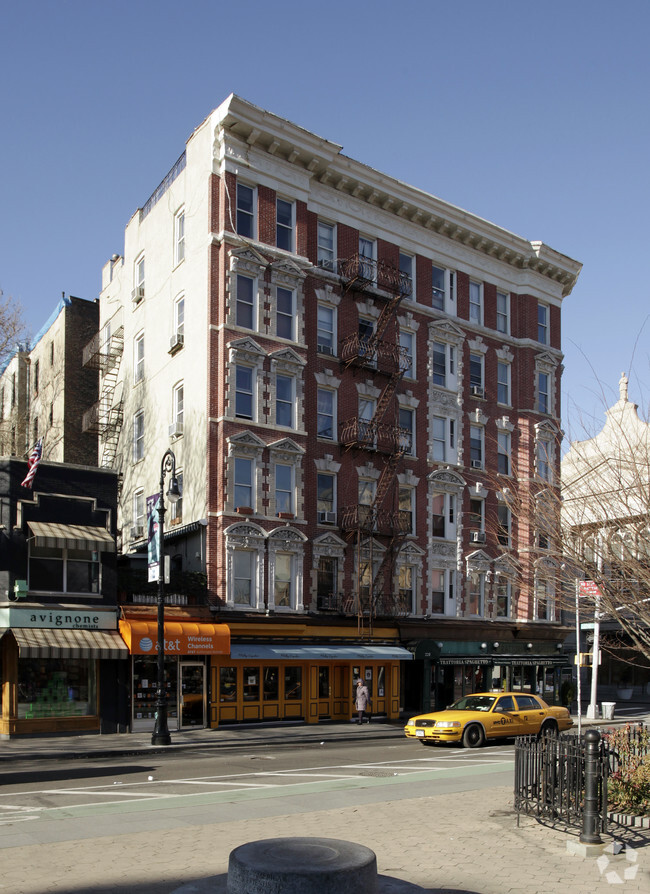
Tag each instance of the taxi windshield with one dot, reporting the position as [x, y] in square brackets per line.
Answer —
[473, 703]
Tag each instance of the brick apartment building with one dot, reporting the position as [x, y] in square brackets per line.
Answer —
[347, 370]
[45, 388]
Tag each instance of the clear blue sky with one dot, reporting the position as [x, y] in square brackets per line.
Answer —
[534, 116]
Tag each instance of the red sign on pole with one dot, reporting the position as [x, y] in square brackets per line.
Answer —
[589, 588]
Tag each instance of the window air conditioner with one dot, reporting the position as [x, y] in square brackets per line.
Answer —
[176, 430]
[325, 349]
[477, 391]
[176, 341]
[326, 518]
[478, 537]
[477, 464]
[137, 294]
[137, 532]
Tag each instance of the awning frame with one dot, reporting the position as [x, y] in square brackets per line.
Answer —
[62, 536]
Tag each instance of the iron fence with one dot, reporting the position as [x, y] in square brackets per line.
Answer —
[550, 779]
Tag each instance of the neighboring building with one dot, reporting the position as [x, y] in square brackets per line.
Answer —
[63, 664]
[45, 388]
[606, 522]
[342, 365]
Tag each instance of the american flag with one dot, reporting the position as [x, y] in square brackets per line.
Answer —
[32, 462]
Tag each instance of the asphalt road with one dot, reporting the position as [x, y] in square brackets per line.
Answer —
[72, 800]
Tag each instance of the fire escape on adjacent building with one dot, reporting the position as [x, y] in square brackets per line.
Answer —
[377, 528]
[104, 352]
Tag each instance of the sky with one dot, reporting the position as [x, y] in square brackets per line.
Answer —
[534, 116]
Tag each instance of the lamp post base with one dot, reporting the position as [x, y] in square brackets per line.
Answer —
[161, 739]
[161, 735]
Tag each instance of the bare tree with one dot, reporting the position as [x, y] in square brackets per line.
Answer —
[12, 326]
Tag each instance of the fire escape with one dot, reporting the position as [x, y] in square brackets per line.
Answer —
[104, 352]
[379, 521]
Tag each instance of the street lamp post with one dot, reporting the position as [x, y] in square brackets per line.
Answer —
[161, 734]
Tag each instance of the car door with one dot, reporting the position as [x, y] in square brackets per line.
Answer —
[504, 718]
[531, 714]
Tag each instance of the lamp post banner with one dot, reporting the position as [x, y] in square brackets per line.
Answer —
[153, 538]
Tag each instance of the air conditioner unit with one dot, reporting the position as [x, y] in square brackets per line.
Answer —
[478, 537]
[137, 294]
[477, 391]
[176, 430]
[325, 349]
[137, 532]
[176, 341]
[326, 518]
[477, 464]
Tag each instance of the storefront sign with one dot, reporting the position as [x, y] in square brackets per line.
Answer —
[181, 638]
[70, 619]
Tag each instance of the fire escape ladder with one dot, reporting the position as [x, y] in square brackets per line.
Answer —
[104, 418]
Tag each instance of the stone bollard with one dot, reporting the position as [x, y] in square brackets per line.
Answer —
[302, 866]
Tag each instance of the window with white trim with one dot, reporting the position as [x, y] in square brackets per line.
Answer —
[543, 393]
[503, 312]
[246, 211]
[444, 364]
[178, 401]
[476, 375]
[406, 500]
[284, 489]
[504, 524]
[179, 316]
[406, 582]
[326, 582]
[504, 452]
[285, 222]
[443, 514]
[138, 513]
[438, 590]
[138, 436]
[138, 358]
[476, 303]
[476, 595]
[503, 383]
[325, 337]
[325, 497]
[244, 385]
[367, 253]
[477, 516]
[407, 343]
[325, 424]
[542, 323]
[244, 482]
[443, 290]
[138, 278]
[179, 236]
[544, 599]
[407, 425]
[476, 448]
[504, 596]
[244, 577]
[246, 302]
[285, 400]
[544, 459]
[407, 268]
[285, 313]
[367, 407]
[326, 245]
[282, 581]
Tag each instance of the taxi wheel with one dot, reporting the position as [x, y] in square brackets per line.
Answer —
[549, 729]
[473, 737]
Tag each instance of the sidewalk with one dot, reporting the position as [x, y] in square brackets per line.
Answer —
[102, 746]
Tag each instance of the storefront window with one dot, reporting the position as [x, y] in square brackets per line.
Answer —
[50, 687]
[251, 684]
[227, 684]
[271, 684]
[145, 685]
[293, 683]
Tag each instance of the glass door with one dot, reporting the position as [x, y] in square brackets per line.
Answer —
[192, 695]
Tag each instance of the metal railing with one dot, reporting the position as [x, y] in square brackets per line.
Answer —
[552, 784]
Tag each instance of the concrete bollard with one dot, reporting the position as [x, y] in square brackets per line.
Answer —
[302, 866]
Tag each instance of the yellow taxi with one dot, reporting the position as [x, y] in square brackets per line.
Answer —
[489, 715]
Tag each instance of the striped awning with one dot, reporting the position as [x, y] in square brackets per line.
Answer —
[45, 642]
[72, 536]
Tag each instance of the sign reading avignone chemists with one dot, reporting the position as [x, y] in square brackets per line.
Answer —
[81, 618]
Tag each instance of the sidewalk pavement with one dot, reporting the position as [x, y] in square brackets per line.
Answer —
[467, 841]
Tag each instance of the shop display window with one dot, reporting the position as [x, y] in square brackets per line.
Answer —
[271, 684]
[292, 683]
[227, 684]
[145, 684]
[251, 684]
[50, 687]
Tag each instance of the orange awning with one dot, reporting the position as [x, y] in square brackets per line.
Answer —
[181, 638]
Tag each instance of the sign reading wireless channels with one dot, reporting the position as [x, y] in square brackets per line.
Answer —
[66, 618]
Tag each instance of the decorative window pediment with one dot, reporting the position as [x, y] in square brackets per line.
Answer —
[287, 359]
[246, 349]
[287, 446]
[444, 330]
[247, 441]
[446, 480]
